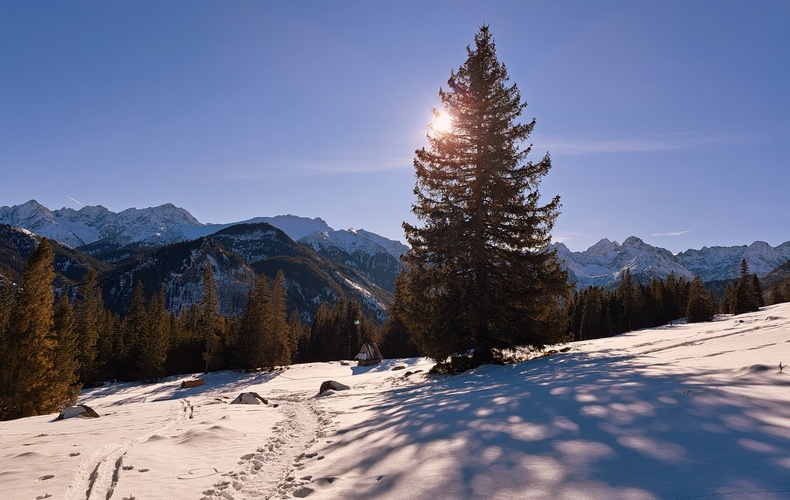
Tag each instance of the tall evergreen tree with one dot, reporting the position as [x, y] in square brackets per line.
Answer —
[64, 377]
[26, 387]
[187, 346]
[251, 341]
[479, 273]
[700, 307]
[758, 290]
[7, 297]
[626, 293]
[277, 322]
[134, 329]
[396, 339]
[212, 324]
[777, 293]
[298, 332]
[109, 347]
[747, 291]
[155, 339]
[89, 311]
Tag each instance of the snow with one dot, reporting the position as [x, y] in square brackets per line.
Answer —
[682, 411]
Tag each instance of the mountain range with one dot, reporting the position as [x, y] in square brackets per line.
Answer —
[604, 263]
[167, 246]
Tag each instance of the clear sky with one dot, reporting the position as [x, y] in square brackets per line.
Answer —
[667, 120]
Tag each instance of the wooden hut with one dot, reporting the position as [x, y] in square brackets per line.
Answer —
[368, 355]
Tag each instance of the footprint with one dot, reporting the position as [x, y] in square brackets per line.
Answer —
[47, 495]
[128, 467]
[44, 478]
[74, 454]
[143, 470]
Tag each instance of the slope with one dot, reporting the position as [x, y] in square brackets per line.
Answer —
[684, 411]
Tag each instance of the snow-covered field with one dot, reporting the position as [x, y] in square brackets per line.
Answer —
[684, 411]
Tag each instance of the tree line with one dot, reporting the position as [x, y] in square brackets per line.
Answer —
[596, 312]
[53, 343]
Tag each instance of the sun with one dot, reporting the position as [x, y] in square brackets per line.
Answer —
[442, 122]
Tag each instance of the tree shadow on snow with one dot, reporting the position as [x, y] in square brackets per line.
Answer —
[579, 425]
[217, 384]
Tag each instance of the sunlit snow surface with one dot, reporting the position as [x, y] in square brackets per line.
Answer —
[683, 411]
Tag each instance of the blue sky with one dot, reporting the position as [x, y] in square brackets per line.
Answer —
[667, 120]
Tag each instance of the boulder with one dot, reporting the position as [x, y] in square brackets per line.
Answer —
[249, 398]
[331, 385]
[83, 411]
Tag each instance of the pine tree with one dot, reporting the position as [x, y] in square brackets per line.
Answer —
[26, 386]
[758, 290]
[155, 339]
[251, 341]
[322, 343]
[64, 377]
[777, 293]
[276, 319]
[212, 324]
[89, 310]
[109, 347]
[747, 291]
[591, 325]
[479, 273]
[700, 308]
[134, 332]
[627, 295]
[187, 346]
[298, 332]
[396, 339]
[7, 298]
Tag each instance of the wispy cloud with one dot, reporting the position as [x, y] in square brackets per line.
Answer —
[672, 233]
[651, 143]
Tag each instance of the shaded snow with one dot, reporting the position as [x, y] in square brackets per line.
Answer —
[682, 411]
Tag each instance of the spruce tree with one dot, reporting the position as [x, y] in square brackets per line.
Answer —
[700, 308]
[89, 311]
[298, 333]
[251, 340]
[155, 339]
[7, 297]
[277, 323]
[26, 387]
[747, 291]
[396, 341]
[64, 377]
[212, 325]
[187, 346]
[134, 332]
[480, 275]
[777, 293]
[323, 341]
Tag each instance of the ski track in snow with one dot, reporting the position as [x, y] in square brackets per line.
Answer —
[272, 470]
[97, 475]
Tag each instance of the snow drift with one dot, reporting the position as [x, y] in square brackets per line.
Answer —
[682, 411]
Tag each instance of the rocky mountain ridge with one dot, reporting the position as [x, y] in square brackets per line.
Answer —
[358, 259]
[604, 263]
